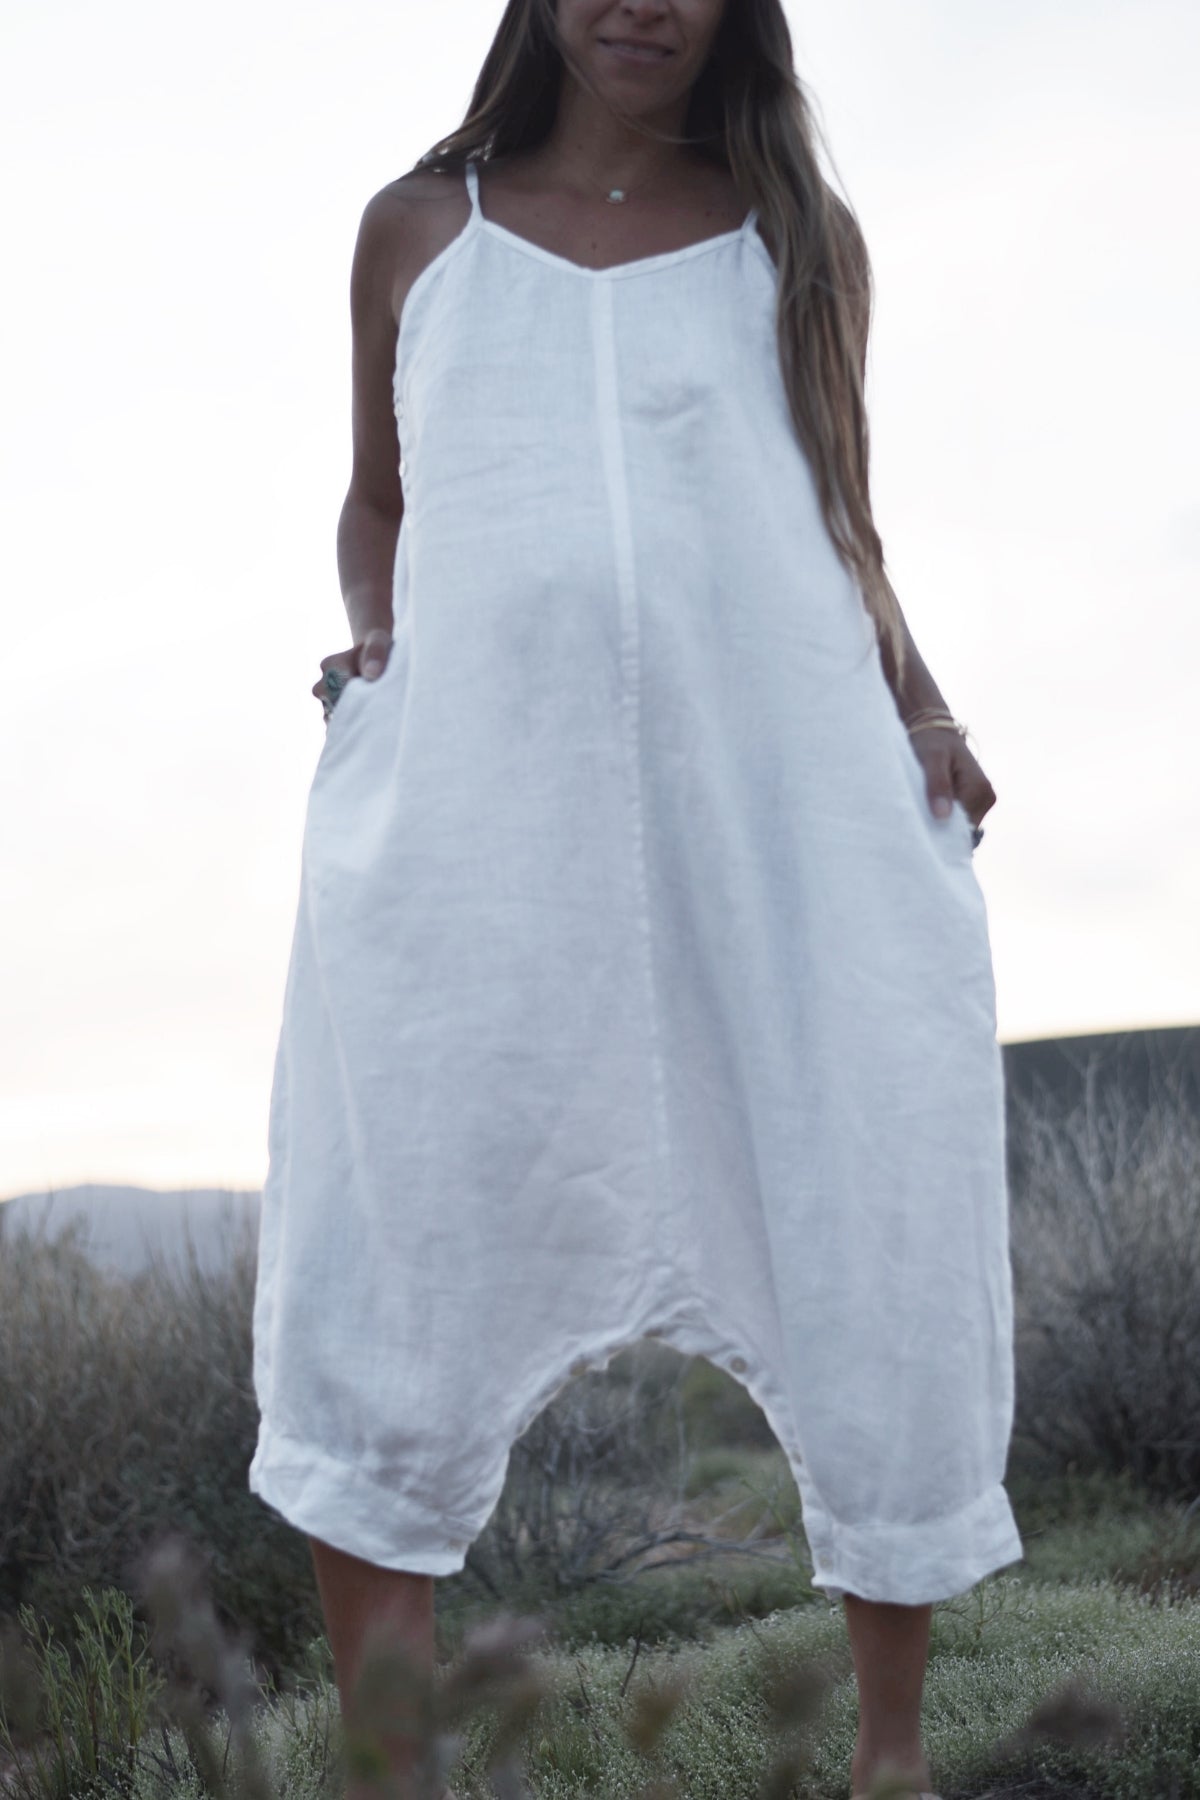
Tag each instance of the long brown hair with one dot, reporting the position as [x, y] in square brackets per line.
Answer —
[748, 112]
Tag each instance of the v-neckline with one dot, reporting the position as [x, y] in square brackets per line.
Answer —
[633, 266]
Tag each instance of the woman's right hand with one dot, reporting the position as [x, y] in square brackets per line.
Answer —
[368, 659]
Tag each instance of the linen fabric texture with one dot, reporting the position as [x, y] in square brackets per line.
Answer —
[634, 987]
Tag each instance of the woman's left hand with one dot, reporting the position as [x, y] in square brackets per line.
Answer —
[951, 772]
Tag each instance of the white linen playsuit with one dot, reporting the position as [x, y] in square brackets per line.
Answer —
[634, 989]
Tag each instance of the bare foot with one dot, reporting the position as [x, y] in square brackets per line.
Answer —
[867, 1766]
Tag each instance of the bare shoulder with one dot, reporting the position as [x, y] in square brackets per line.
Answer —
[408, 223]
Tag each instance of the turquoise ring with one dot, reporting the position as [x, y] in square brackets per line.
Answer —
[335, 681]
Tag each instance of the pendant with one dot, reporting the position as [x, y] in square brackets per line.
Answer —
[615, 194]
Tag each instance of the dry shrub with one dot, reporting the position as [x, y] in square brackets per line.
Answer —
[597, 1488]
[1106, 1262]
[128, 1412]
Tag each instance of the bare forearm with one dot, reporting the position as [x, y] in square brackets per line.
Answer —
[366, 557]
[918, 689]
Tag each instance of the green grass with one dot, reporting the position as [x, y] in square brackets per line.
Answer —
[1076, 1673]
[1076, 1529]
[987, 1679]
[980, 1691]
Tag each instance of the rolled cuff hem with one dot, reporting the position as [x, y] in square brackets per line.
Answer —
[915, 1564]
[342, 1504]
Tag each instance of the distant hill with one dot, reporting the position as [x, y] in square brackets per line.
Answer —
[1145, 1064]
[1059, 1074]
[125, 1225]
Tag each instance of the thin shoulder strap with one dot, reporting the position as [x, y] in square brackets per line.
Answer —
[472, 175]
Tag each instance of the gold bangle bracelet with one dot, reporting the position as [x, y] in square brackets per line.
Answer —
[924, 721]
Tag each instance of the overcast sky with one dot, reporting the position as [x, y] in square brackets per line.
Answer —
[185, 188]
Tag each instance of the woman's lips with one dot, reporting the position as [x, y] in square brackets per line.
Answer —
[642, 53]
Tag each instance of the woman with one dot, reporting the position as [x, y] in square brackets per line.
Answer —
[641, 981]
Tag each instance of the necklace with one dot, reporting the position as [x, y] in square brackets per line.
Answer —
[616, 196]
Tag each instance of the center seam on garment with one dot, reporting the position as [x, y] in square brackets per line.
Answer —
[612, 452]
